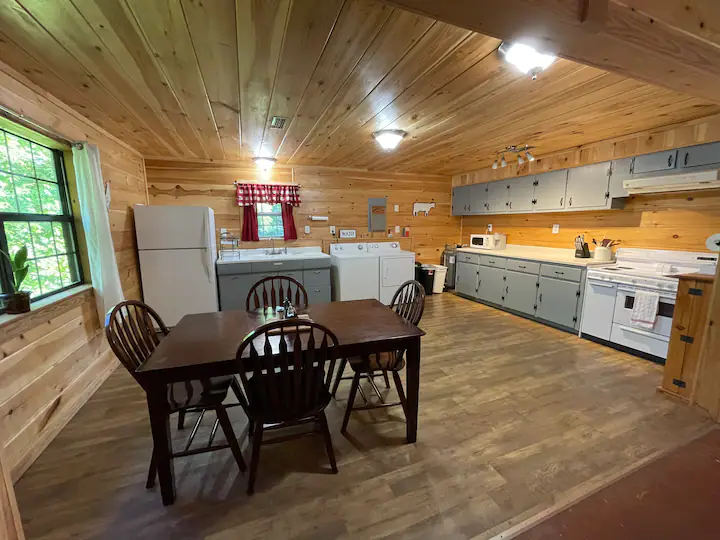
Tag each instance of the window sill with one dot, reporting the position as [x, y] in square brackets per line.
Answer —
[44, 305]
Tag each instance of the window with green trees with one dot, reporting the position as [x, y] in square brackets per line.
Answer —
[35, 212]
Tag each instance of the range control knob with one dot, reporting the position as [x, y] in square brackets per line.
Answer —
[394, 245]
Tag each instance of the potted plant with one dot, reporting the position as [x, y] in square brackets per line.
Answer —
[18, 301]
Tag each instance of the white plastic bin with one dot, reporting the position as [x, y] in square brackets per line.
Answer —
[439, 281]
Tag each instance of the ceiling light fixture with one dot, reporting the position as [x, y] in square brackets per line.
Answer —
[518, 150]
[520, 160]
[495, 163]
[526, 58]
[503, 163]
[264, 163]
[528, 155]
[388, 139]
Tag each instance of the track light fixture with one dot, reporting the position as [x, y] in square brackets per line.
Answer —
[503, 163]
[520, 160]
[495, 163]
[518, 150]
[528, 155]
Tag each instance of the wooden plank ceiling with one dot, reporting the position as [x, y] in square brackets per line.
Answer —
[199, 79]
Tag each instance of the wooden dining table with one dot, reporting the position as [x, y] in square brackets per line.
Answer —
[205, 345]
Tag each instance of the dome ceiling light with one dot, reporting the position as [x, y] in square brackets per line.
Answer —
[525, 58]
[264, 163]
[388, 139]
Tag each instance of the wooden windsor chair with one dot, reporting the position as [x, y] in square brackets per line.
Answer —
[271, 292]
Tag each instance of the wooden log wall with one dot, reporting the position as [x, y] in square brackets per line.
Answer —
[676, 221]
[340, 194]
[53, 359]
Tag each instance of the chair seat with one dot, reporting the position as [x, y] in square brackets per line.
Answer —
[198, 393]
[279, 411]
[385, 361]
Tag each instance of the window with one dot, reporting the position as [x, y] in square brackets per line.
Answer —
[35, 212]
[270, 223]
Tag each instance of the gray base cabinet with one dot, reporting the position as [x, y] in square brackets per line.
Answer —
[520, 292]
[557, 301]
[491, 284]
[466, 279]
[236, 279]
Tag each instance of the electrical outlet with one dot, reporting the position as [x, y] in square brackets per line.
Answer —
[307, 229]
[397, 228]
[556, 228]
[489, 227]
[397, 209]
[332, 230]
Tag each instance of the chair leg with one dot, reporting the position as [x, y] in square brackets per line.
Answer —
[385, 376]
[226, 425]
[338, 377]
[181, 419]
[351, 401]
[257, 441]
[400, 391]
[152, 473]
[251, 427]
[328, 441]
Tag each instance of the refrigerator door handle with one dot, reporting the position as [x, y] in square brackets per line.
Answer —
[208, 251]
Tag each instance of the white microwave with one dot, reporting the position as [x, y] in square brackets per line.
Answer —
[488, 241]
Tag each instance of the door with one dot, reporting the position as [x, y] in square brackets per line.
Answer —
[520, 292]
[699, 156]
[656, 162]
[598, 309]
[587, 187]
[177, 282]
[396, 270]
[520, 194]
[549, 192]
[497, 197]
[234, 289]
[174, 227]
[666, 309]
[461, 200]
[558, 301]
[491, 285]
[466, 279]
[478, 198]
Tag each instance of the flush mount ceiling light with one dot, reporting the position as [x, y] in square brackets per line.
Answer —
[526, 58]
[264, 163]
[388, 139]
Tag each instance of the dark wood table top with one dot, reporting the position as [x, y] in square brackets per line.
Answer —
[213, 338]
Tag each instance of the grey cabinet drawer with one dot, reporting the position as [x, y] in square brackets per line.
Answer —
[295, 274]
[230, 269]
[309, 264]
[470, 258]
[527, 267]
[316, 278]
[561, 272]
[276, 266]
[318, 295]
[495, 262]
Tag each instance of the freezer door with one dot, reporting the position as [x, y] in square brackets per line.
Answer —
[177, 282]
[174, 227]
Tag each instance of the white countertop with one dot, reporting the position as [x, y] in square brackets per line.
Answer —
[260, 255]
[535, 253]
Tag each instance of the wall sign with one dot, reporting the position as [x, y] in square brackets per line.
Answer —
[348, 233]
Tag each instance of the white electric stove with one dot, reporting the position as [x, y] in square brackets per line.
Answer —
[610, 296]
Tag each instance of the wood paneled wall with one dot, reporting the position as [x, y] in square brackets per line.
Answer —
[340, 194]
[53, 359]
[677, 221]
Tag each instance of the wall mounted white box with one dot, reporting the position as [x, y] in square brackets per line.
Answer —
[348, 233]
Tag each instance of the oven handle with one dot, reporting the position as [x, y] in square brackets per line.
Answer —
[633, 291]
[601, 284]
[643, 332]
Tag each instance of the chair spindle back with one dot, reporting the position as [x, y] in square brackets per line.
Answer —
[409, 301]
[270, 292]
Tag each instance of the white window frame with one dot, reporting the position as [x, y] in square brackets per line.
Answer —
[273, 214]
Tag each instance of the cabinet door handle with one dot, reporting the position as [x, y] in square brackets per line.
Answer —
[277, 264]
[510, 204]
[687, 154]
[561, 200]
[234, 278]
[317, 271]
[560, 273]
[317, 290]
[670, 161]
[570, 201]
[491, 262]
[540, 297]
[507, 289]
[521, 266]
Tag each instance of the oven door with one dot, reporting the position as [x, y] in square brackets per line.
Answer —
[626, 300]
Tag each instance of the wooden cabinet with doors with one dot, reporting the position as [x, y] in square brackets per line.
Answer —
[587, 187]
[655, 162]
[461, 201]
[521, 194]
[688, 327]
[558, 301]
[497, 197]
[702, 155]
[549, 194]
[478, 199]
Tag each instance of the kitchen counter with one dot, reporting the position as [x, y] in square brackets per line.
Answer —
[260, 255]
[535, 253]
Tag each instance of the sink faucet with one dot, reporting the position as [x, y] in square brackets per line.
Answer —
[272, 250]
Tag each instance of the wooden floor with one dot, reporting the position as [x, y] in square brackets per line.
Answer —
[514, 417]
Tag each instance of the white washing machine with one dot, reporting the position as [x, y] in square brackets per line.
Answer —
[396, 267]
[355, 272]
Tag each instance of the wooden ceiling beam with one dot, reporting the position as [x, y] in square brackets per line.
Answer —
[675, 52]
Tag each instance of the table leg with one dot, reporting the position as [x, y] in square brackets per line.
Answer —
[413, 388]
[162, 443]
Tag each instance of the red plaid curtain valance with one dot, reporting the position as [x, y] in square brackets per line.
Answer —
[249, 194]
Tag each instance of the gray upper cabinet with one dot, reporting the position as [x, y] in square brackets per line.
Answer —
[478, 198]
[461, 201]
[466, 279]
[621, 171]
[491, 285]
[497, 196]
[549, 194]
[520, 291]
[659, 161]
[557, 301]
[520, 194]
[587, 187]
[699, 156]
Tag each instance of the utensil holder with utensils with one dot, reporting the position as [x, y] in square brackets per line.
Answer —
[603, 254]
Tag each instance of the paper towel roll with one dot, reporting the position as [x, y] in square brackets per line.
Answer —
[713, 242]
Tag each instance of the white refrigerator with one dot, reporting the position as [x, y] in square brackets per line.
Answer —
[176, 246]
